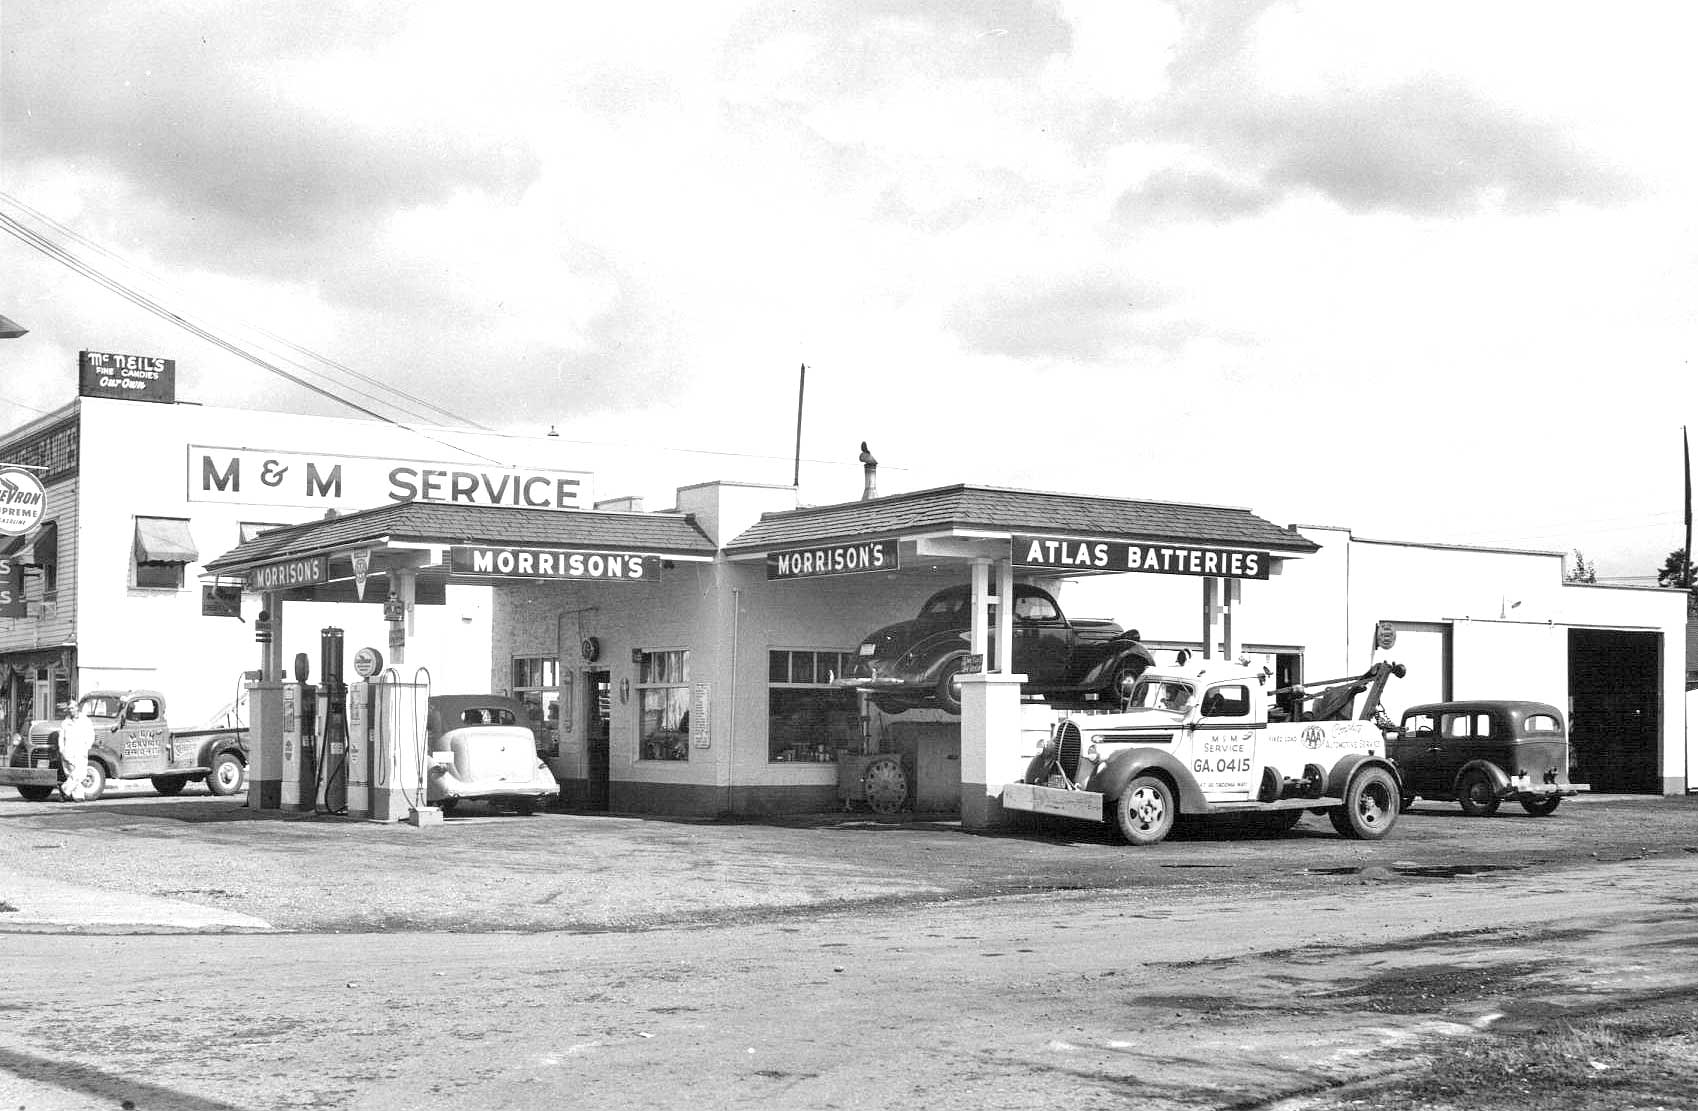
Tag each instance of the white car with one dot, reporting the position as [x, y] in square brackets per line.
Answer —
[481, 748]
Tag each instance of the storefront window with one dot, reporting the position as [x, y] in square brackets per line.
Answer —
[808, 719]
[663, 702]
[536, 683]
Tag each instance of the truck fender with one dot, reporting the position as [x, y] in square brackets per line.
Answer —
[1500, 781]
[1112, 779]
[1345, 770]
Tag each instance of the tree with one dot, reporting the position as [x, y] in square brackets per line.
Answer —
[1582, 571]
[1679, 572]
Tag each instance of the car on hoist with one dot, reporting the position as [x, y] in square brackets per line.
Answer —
[917, 663]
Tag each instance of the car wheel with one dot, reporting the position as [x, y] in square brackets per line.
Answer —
[1145, 810]
[892, 706]
[1121, 681]
[949, 685]
[34, 792]
[1541, 807]
[225, 778]
[1474, 791]
[885, 785]
[1370, 806]
[169, 784]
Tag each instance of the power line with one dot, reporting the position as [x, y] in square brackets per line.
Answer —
[55, 251]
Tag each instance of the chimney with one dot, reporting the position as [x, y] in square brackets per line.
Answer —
[870, 466]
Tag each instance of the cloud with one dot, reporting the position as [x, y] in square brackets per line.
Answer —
[1077, 318]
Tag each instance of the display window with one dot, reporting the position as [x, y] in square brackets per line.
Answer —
[663, 704]
[536, 683]
[809, 719]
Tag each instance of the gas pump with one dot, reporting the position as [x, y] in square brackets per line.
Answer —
[330, 794]
[362, 712]
[300, 731]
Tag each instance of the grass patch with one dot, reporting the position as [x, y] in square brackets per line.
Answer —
[1643, 1060]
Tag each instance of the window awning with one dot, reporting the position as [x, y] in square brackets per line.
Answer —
[47, 545]
[164, 540]
[12, 546]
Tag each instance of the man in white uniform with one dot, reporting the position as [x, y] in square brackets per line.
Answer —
[76, 737]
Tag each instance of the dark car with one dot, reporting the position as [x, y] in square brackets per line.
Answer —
[916, 663]
[1481, 753]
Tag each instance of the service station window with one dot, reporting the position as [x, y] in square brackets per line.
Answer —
[663, 704]
[808, 719]
[536, 683]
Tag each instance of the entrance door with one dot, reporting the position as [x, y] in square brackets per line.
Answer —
[598, 731]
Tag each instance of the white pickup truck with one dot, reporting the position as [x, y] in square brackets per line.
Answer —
[1198, 740]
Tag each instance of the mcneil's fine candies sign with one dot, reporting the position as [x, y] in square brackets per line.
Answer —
[22, 501]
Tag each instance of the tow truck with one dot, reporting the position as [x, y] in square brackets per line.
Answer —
[1214, 738]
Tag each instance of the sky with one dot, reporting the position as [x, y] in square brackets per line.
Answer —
[1425, 270]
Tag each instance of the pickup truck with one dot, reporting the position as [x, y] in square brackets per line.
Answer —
[1198, 740]
[917, 663]
[132, 740]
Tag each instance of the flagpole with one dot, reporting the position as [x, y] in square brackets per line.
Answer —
[801, 387]
[1686, 459]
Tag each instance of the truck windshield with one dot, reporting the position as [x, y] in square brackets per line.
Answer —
[101, 706]
[1162, 694]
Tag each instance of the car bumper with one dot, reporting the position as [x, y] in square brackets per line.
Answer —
[1522, 787]
[445, 784]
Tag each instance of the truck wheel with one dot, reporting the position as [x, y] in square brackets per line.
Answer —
[169, 784]
[34, 792]
[1475, 792]
[1145, 810]
[1370, 806]
[225, 778]
[949, 686]
[93, 785]
[1539, 808]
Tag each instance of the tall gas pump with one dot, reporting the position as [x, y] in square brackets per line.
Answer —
[331, 794]
[299, 763]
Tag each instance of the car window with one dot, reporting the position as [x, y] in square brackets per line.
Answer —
[1421, 725]
[1541, 723]
[1161, 695]
[488, 715]
[144, 709]
[1463, 726]
[1034, 607]
[1230, 701]
[101, 707]
[943, 605]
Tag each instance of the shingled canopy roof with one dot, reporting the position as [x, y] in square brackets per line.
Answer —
[981, 510]
[435, 528]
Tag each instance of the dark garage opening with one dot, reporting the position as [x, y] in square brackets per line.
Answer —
[1614, 711]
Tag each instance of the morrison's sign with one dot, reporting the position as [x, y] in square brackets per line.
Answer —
[1065, 553]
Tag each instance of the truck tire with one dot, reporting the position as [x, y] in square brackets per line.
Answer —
[225, 778]
[1541, 807]
[1477, 796]
[93, 785]
[169, 784]
[1370, 807]
[1145, 810]
[34, 792]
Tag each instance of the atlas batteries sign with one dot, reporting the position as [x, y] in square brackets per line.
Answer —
[554, 563]
[833, 559]
[126, 377]
[253, 476]
[1061, 553]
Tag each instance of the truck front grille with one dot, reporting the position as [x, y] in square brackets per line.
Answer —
[1067, 745]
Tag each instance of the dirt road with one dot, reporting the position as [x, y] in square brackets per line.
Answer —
[1212, 972]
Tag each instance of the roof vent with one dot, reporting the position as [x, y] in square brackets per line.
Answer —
[869, 465]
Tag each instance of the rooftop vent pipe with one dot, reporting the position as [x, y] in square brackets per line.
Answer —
[870, 466]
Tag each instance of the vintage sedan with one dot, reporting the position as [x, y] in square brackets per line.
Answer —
[1484, 752]
[482, 749]
[917, 663]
